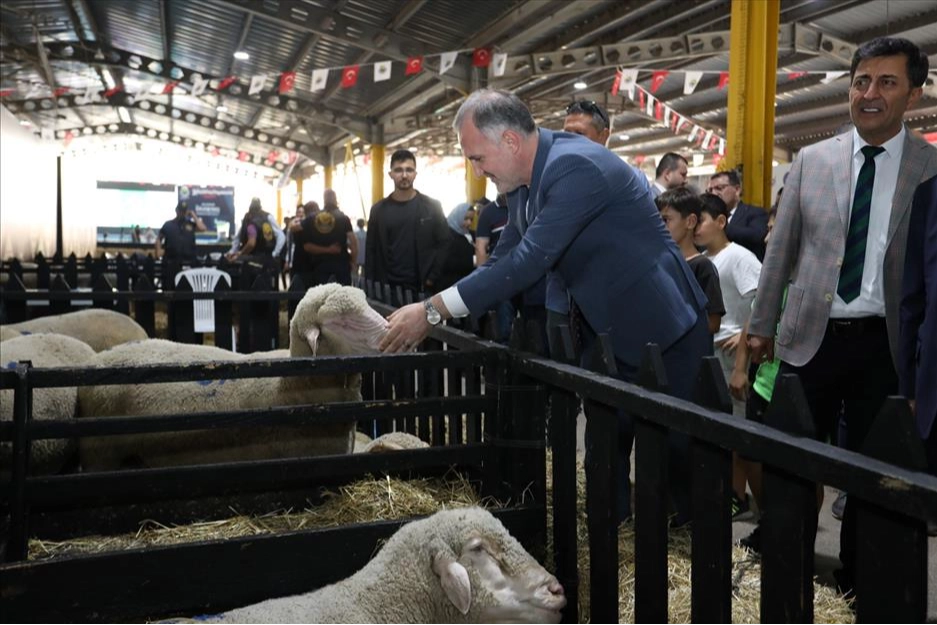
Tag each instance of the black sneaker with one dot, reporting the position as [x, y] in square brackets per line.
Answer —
[740, 506]
[839, 506]
[752, 542]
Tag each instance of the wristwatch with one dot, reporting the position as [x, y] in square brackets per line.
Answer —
[432, 315]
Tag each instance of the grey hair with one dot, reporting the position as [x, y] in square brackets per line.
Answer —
[493, 111]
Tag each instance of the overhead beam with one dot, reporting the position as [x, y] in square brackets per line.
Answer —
[164, 30]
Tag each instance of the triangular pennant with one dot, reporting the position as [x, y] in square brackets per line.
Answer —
[414, 65]
[226, 82]
[722, 146]
[713, 143]
[199, 85]
[145, 92]
[117, 89]
[45, 133]
[319, 78]
[657, 79]
[690, 80]
[60, 91]
[629, 78]
[717, 158]
[795, 75]
[723, 80]
[667, 112]
[243, 156]
[88, 96]
[273, 155]
[706, 137]
[831, 76]
[257, 84]
[169, 86]
[4, 93]
[349, 76]
[500, 63]
[641, 99]
[69, 135]
[651, 101]
[693, 133]
[481, 57]
[658, 110]
[616, 83]
[287, 81]
[381, 71]
[446, 61]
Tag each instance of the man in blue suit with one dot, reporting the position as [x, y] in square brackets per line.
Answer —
[917, 342]
[578, 210]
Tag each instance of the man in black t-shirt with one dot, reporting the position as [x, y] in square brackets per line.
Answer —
[407, 233]
[179, 236]
[325, 238]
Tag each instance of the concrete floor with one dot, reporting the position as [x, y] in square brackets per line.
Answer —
[827, 545]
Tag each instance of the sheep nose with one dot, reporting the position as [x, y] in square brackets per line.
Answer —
[555, 588]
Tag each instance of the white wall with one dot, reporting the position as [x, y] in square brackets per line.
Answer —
[27, 190]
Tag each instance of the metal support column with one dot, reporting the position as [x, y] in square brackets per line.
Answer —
[377, 173]
[474, 187]
[753, 65]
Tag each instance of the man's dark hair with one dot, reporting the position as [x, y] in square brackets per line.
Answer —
[669, 162]
[181, 207]
[713, 205]
[401, 155]
[916, 60]
[600, 120]
[255, 205]
[361, 222]
[683, 200]
[731, 175]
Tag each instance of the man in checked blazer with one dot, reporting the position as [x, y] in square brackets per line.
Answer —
[839, 328]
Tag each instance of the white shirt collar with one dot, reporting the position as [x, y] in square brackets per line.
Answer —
[891, 146]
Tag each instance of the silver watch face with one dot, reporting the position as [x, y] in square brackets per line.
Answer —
[432, 315]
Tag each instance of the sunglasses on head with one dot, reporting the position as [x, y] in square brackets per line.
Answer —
[587, 106]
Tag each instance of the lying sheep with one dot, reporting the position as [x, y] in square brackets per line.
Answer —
[394, 441]
[97, 327]
[48, 456]
[457, 566]
[329, 320]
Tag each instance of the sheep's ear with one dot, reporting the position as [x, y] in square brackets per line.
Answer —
[455, 581]
[312, 338]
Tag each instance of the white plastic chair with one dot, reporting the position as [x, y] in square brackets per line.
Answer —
[203, 280]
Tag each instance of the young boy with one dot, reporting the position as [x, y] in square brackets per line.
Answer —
[680, 210]
[739, 270]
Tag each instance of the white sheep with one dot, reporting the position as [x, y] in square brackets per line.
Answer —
[456, 566]
[329, 320]
[394, 441]
[48, 456]
[98, 327]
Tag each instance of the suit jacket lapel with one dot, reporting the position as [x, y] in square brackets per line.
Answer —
[842, 181]
[911, 170]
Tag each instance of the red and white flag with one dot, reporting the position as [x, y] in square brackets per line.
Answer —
[499, 63]
[69, 135]
[723, 80]
[199, 85]
[6, 92]
[287, 80]
[60, 91]
[414, 65]
[629, 78]
[117, 89]
[350, 76]
[657, 79]
[616, 83]
[446, 61]
[795, 75]
[169, 86]
[226, 82]
[481, 57]
[243, 156]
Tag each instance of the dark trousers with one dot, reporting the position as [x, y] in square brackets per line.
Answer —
[681, 362]
[852, 373]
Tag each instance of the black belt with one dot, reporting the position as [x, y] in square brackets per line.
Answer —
[857, 326]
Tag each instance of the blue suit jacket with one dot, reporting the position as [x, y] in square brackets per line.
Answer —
[748, 228]
[590, 219]
[917, 342]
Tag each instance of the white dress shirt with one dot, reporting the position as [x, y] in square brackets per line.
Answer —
[871, 300]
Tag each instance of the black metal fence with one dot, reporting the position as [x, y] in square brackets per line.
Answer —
[483, 408]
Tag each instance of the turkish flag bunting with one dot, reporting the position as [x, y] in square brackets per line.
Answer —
[658, 110]
[717, 158]
[712, 143]
[272, 156]
[723, 79]
[349, 76]
[657, 79]
[169, 86]
[215, 151]
[60, 91]
[641, 99]
[676, 122]
[113, 91]
[69, 135]
[6, 92]
[243, 156]
[481, 57]
[226, 82]
[287, 80]
[414, 65]
[795, 75]
[616, 83]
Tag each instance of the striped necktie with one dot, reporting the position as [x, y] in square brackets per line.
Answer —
[850, 277]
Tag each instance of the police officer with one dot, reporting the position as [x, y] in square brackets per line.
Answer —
[179, 237]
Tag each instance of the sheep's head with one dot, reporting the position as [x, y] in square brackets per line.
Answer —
[487, 575]
[332, 319]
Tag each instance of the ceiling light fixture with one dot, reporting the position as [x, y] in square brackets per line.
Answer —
[580, 85]
[221, 108]
[241, 55]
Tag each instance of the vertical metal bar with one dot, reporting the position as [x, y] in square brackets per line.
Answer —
[18, 545]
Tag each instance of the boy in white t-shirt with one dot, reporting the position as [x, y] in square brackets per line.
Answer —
[739, 270]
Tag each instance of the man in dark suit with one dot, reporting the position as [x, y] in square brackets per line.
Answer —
[747, 224]
[917, 332]
[578, 210]
[838, 247]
